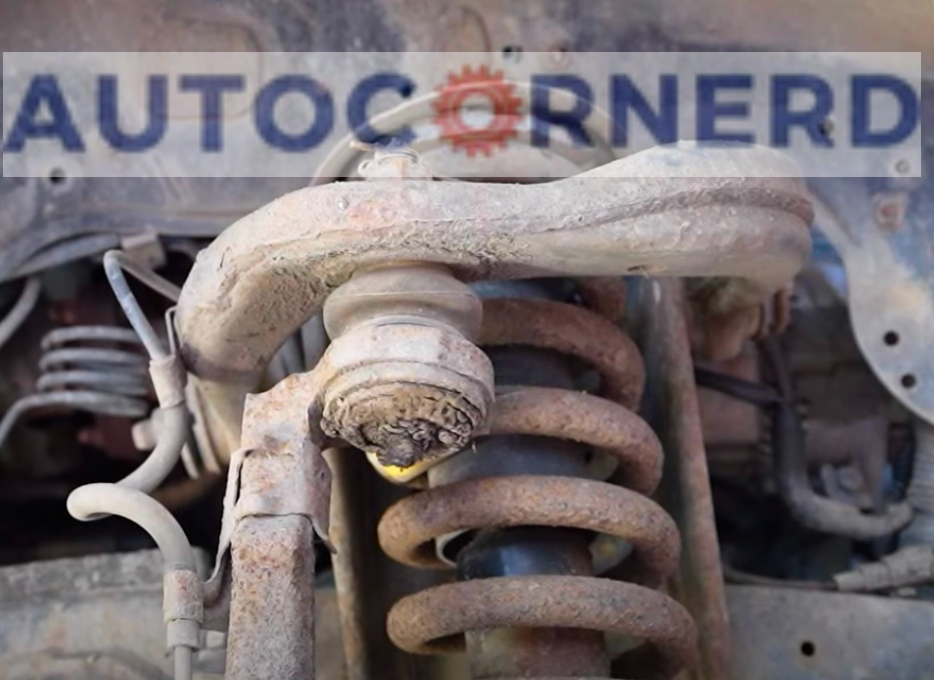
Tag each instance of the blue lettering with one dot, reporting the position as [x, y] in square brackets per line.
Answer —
[156, 103]
[212, 89]
[709, 109]
[661, 123]
[44, 89]
[543, 117]
[359, 101]
[264, 113]
[863, 88]
[813, 120]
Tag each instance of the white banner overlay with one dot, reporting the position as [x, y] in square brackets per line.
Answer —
[517, 115]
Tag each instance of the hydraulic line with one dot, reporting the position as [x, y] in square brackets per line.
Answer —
[129, 497]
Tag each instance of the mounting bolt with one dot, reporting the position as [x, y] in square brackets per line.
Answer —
[402, 379]
[395, 163]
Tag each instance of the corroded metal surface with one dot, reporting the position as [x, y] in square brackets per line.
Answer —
[368, 581]
[532, 652]
[618, 219]
[572, 331]
[787, 634]
[403, 292]
[604, 295]
[405, 392]
[516, 608]
[284, 472]
[271, 632]
[279, 496]
[432, 621]
[671, 406]
[349, 563]
[402, 380]
[408, 527]
[580, 417]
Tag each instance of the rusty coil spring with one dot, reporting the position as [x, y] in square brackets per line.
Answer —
[97, 369]
[434, 621]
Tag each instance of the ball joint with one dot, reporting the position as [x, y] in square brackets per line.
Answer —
[402, 379]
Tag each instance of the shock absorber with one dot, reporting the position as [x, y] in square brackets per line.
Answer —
[405, 381]
[97, 369]
[536, 534]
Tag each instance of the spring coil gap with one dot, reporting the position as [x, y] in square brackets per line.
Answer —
[434, 621]
[97, 369]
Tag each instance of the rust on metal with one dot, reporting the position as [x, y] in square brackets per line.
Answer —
[671, 407]
[284, 492]
[347, 564]
[271, 633]
[605, 295]
[496, 653]
[399, 292]
[584, 418]
[271, 271]
[182, 596]
[403, 423]
[432, 621]
[286, 472]
[408, 528]
[277, 420]
[532, 652]
[404, 392]
[521, 635]
[573, 331]
[402, 380]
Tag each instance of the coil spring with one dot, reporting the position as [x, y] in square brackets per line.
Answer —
[434, 621]
[89, 377]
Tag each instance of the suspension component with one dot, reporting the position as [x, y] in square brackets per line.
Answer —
[528, 602]
[737, 215]
[402, 379]
[97, 369]
[183, 603]
[406, 383]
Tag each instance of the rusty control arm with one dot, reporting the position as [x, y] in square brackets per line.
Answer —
[404, 379]
[676, 211]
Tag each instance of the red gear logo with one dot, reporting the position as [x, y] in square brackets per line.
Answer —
[449, 107]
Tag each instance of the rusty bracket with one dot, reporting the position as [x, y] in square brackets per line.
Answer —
[280, 472]
[278, 497]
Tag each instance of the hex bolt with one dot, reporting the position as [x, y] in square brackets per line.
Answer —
[402, 379]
